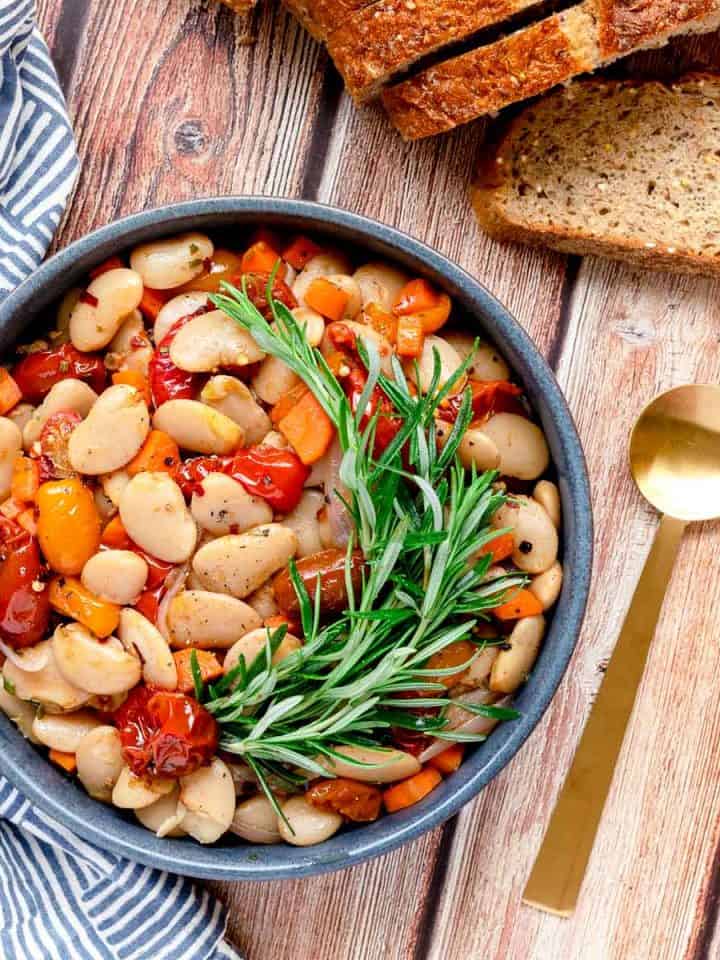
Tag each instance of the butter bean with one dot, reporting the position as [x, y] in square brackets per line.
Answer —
[521, 445]
[512, 665]
[200, 618]
[308, 825]
[548, 496]
[234, 399]
[10, 447]
[273, 379]
[208, 796]
[102, 667]
[153, 511]
[304, 521]
[379, 283]
[386, 766]
[70, 394]
[536, 539]
[21, 712]
[239, 564]
[100, 762]
[255, 821]
[225, 506]
[97, 316]
[111, 434]
[180, 306]
[133, 793]
[143, 639]
[487, 363]
[47, 686]
[163, 816]
[312, 323]
[164, 264]
[64, 731]
[253, 643]
[213, 340]
[478, 450]
[117, 576]
[197, 427]
[449, 362]
[547, 586]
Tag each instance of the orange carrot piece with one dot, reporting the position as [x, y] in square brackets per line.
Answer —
[152, 302]
[287, 401]
[112, 263]
[159, 454]
[382, 321]
[327, 299]
[500, 548]
[261, 258]
[301, 250]
[68, 596]
[272, 623]
[410, 791]
[115, 535]
[419, 298]
[133, 378]
[25, 479]
[210, 667]
[523, 603]
[410, 336]
[449, 760]
[308, 429]
[68, 761]
[10, 392]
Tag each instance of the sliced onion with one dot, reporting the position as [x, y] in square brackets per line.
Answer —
[31, 659]
[174, 584]
[476, 724]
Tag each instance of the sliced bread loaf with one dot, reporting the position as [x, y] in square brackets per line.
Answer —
[624, 170]
[533, 60]
[321, 17]
[388, 36]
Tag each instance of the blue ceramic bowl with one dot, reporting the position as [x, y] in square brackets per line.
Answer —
[110, 829]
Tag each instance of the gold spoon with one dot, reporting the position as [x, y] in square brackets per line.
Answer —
[675, 462]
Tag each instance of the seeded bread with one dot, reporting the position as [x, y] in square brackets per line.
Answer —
[619, 169]
[388, 36]
[534, 59]
[322, 17]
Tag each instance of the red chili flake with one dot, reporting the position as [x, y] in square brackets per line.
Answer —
[90, 299]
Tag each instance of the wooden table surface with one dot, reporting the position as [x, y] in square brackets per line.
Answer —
[171, 100]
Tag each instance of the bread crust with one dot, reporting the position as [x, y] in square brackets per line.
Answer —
[321, 17]
[626, 25]
[390, 35]
[488, 190]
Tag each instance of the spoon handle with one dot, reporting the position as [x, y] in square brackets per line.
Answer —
[557, 876]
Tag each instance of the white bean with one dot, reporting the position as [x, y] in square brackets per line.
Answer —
[263, 602]
[487, 363]
[512, 665]
[117, 576]
[380, 283]
[385, 765]
[208, 796]
[64, 731]
[113, 485]
[449, 362]
[253, 643]
[225, 505]
[476, 449]
[273, 379]
[112, 433]
[133, 793]
[548, 496]
[105, 507]
[164, 264]
[21, 712]
[197, 427]
[312, 323]
[100, 761]
[350, 287]
[547, 586]
[21, 415]
[102, 667]
[130, 348]
[522, 447]
[180, 306]
[48, 686]
[143, 639]
[536, 539]
[213, 340]
[72, 395]
[97, 316]
[239, 564]
[64, 312]
[275, 440]
[306, 825]
[153, 511]
[304, 521]
[163, 816]
[10, 448]
[255, 821]
[234, 399]
[200, 618]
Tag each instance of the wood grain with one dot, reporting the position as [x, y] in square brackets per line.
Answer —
[169, 101]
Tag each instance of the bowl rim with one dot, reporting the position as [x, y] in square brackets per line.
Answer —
[99, 824]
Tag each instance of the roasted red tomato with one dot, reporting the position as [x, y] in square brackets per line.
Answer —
[24, 611]
[36, 373]
[488, 398]
[165, 734]
[275, 475]
[256, 288]
[54, 457]
[168, 382]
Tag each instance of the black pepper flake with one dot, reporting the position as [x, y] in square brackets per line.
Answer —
[525, 546]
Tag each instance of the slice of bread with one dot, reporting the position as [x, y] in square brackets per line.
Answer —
[533, 60]
[388, 36]
[619, 169]
[321, 17]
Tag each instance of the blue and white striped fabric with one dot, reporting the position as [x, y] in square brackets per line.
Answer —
[60, 897]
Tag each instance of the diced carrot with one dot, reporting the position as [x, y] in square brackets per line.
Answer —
[287, 401]
[308, 429]
[115, 535]
[410, 336]
[261, 258]
[500, 548]
[301, 250]
[68, 761]
[272, 623]
[159, 454]
[152, 302]
[420, 298]
[133, 378]
[382, 321]
[68, 596]
[523, 603]
[25, 479]
[329, 301]
[112, 263]
[449, 760]
[27, 520]
[410, 791]
[210, 667]
[10, 392]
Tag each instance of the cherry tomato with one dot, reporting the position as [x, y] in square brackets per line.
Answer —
[54, 457]
[256, 288]
[24, 612]
[36, 373]
[168, 382]
[165, 734]
[190, 473]
[488, 398]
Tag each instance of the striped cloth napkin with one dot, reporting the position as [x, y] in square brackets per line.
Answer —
[60, 897]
